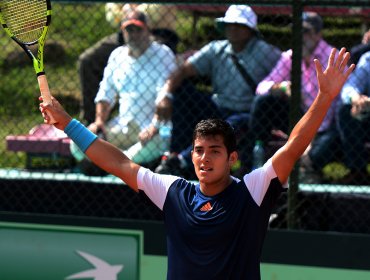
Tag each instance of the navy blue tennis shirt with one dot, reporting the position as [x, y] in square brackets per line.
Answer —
[214, 237]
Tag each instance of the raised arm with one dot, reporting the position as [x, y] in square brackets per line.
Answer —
[330, 83]
[102, 153]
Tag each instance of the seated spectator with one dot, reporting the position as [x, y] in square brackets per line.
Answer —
[134, 75]
[91, 64]
[233, 93]
[271, 106]
[92, 61]
[358, 50]
[354, 122]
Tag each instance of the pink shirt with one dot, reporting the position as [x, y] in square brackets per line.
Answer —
[281, 72]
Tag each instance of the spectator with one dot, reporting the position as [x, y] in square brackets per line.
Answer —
[91, 63]
[232, 93]
[134, 74]
[354, 122]
[358, 50]
[271, 107]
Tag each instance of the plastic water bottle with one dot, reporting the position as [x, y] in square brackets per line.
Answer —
[258, 155]
[165, 131]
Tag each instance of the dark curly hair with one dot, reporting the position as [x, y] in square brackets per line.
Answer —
[213, 127]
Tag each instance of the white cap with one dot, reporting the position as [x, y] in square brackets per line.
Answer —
[240, 14]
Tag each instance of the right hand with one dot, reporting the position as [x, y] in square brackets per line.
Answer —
[61, 117]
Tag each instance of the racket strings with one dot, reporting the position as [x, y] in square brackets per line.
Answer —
[25, 18]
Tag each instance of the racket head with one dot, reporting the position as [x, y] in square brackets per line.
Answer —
[27, 23]
[25, 20]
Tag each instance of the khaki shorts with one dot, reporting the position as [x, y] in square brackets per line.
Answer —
[122, 138]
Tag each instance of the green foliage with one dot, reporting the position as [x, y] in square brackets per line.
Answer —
[335, 171]
[275, 29]
[79, 25]
[75, 27]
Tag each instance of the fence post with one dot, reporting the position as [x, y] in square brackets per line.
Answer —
[295, 105]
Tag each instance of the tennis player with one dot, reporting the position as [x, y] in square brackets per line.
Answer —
[215, 229]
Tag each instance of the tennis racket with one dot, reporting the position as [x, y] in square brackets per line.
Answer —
[27, 23]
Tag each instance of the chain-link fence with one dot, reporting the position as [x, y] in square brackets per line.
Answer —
[102, 74]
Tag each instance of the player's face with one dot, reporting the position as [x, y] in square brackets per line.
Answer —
[211, 162]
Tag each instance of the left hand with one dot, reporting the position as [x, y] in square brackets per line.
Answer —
[333, 78]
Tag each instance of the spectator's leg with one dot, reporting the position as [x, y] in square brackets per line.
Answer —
[268, 112]
[325, 148]
[144, 154]
[91, 64]
[353, 134]
[115, 135]
[240, 122]
[122, 138]
[189, 107]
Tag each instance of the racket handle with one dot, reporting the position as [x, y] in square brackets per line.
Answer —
[45, 93]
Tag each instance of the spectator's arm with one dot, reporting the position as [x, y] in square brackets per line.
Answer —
[164, 99]
[101, 115]
[280, 73]
[186, 70]
[107, 93]
[358, 82]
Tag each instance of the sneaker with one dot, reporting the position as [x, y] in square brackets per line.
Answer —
[170, 164]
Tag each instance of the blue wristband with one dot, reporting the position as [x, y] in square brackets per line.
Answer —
[79, 134]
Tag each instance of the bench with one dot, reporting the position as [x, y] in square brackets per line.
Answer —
[43, 141]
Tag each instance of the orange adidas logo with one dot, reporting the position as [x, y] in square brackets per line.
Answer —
[206, 207]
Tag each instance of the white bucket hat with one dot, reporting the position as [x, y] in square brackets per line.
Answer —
[240, 14]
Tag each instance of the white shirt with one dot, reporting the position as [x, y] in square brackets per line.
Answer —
[135, 82]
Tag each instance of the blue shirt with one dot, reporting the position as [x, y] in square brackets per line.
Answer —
[359, 81]
[230, 90]
[214, 237]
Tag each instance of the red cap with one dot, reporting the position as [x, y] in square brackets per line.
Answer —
[135, 18]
